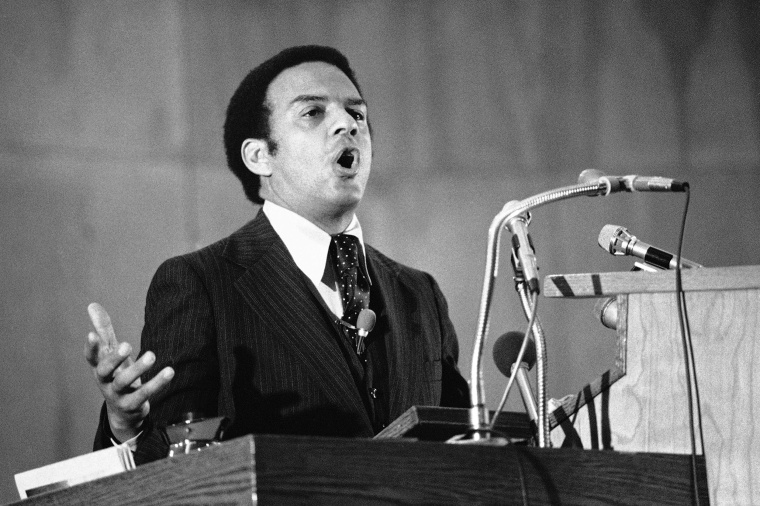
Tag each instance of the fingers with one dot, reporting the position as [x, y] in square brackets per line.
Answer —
[118, 375]
[127, 376]
[126, 413]
[135, 401]
[92, 349]
[109, 361]
[102, 323]
[156, 385]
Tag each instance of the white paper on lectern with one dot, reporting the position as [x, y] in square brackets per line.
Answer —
[73, 471]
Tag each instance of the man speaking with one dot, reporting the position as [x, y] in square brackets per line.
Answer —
[261, 327]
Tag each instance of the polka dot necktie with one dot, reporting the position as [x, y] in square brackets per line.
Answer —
[353, 283]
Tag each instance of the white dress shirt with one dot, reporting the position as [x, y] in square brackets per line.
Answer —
[309, 246]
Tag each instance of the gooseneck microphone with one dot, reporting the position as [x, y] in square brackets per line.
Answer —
[618, 241]
[632, 183]
[506, 348]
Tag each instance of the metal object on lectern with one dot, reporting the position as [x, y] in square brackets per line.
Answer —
[194, 433]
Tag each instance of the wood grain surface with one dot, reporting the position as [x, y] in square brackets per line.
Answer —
[613, 283]
[647, 409]
[302, 470]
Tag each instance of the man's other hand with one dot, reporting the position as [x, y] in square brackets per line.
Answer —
[118, 376]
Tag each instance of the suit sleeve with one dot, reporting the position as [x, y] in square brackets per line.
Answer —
[455, 391]
[179, 329]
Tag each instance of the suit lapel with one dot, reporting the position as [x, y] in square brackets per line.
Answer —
[278, 293]
[403, 344]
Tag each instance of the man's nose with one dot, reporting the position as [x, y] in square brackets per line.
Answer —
[345, 124]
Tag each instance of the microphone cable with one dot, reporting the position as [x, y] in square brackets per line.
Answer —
[520, 355]
[689, 363]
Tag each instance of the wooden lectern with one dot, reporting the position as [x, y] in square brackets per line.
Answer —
[303, 470]
[645, 404]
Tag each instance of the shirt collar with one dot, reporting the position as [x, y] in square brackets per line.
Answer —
[306, 242]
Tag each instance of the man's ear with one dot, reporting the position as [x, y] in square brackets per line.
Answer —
[256, 156]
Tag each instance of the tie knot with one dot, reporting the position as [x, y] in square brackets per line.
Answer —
[346, 251]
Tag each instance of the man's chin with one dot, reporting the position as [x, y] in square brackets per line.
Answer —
[344, 203]
[347, 203]
[349, 192]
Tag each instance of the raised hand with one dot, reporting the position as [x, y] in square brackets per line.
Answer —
[117, 375]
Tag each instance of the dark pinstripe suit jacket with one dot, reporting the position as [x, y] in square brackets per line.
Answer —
[250, 338]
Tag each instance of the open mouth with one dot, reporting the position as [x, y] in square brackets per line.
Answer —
[346, 158]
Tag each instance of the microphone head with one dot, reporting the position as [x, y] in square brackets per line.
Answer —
[366, 320]
[592, 176]
[610, 237]
[507, 347]
[589, 176]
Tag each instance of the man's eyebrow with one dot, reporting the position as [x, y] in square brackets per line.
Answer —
[323, 98]
[308, 98]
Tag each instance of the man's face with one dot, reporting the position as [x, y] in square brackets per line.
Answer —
[324, 149]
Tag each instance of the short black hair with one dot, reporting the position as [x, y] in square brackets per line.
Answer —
[248, 113]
